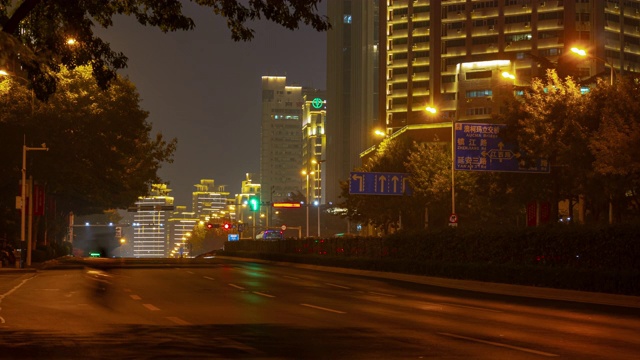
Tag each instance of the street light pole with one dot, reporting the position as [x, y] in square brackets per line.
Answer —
[583, 53]
[23, 195]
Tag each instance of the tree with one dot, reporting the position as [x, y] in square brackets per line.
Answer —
[549, 123]
[614, 143]
[35, 32]
[101, 151]
[386, 212]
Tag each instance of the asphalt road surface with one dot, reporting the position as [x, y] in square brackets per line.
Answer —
[245, 310]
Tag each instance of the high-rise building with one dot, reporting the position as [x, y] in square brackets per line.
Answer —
[209, 200]
[352, 88]
[281, 139]
[424, 41]
[150, 236]
[314, 115]
[180, 226]
[244, 215]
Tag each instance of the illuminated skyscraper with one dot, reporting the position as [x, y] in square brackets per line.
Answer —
[352, 88]
[281, 140]
[314, 115]
[423, 41]
[150, 236]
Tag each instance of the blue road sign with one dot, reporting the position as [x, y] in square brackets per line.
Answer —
[379, 183]
[233, 237]
[478, 147]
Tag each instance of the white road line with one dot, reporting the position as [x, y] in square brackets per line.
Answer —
[338, 286]
[381, 294]
[263, 294]
[177, 320]
[500, 345]
[208, 278]
[135, 297]
[472, 307]
[323, 308]
[151, 307]
[190, 272]
[291, 277]
[236, 286]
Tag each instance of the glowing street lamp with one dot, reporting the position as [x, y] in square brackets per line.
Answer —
[583, 53]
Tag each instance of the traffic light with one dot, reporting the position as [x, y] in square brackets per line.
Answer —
[227, 226]
[254, 203]
[209, 226]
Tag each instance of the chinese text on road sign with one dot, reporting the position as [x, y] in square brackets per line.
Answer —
[478, 147]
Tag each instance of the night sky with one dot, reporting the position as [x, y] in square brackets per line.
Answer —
[204, 89]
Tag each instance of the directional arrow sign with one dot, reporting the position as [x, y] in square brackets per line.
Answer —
[379, 183]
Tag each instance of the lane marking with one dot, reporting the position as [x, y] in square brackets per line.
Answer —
[236, 286]
[135, 297]
[500, 345]
[208, 278]
[291, 277]
[323, 308]
[263, 294]
[127, 290]
[190, 272]
[177, 320]
[382, 294]
[472, 307]
[338, 286]
[151, 307]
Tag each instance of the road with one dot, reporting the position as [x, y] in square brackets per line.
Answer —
[245, 310]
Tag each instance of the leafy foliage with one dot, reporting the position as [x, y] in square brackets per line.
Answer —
[101, 151]
[35, 32]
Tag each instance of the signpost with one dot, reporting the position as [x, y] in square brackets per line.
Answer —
[478, 147]
[379, 183]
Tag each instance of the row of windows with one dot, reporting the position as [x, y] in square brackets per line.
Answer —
[478, 111]
[478, 93]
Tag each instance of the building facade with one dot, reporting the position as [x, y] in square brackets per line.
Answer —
[314, 143]
[180, 226]
[150, 235]
[209, 200]
[352, 88]
[423, 41]
[280, 138]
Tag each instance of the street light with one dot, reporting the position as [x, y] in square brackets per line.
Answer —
[7, 74]
[23, 197]
[583, 53]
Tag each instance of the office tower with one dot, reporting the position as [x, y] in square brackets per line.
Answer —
[314, 115]
[281, 139]
[150, 236]
[352, 87]
[180, 225]
[422, 43]
[209, 201]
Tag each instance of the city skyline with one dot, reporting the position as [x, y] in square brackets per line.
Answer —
[205, 89]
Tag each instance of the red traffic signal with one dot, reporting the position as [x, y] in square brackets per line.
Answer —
[226, 226]
[209, 226]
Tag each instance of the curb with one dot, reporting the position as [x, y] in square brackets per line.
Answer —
[477, 286]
